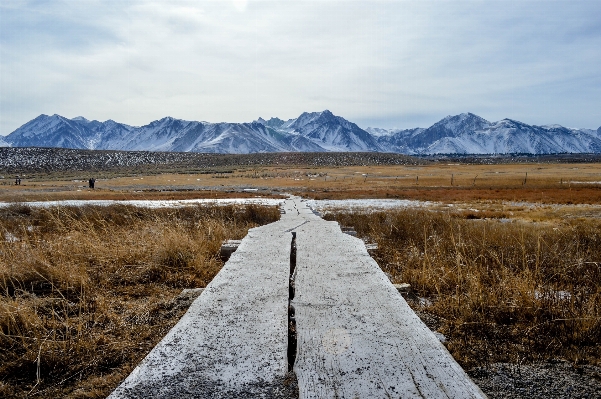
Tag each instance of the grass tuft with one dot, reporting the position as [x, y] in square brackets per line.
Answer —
[86, 292]
[504, 291]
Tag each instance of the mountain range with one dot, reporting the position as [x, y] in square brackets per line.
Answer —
[310, 132]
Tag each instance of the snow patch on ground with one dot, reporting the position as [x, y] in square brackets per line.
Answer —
[365, 204]
[156, 203]
[10, 237]
[317, 205]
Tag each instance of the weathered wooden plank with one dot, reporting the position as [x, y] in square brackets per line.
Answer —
[228, 247]
[232, 342]
[356, 335]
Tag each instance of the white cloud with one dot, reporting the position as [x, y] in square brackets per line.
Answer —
[240, 4]
[387, 63]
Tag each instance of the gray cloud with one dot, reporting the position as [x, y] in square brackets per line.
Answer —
[379, 63]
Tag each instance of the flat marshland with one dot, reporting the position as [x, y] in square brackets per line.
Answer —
[86, 292]
[505, 260]
[500, 291]
[549, 183]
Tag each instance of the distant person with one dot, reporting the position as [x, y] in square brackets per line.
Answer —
[91, 182]
[17, 181]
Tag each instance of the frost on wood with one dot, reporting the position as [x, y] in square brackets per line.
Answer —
[356, 336]
[232, 342]
[320, 305]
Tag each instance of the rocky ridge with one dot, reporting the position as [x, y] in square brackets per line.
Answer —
[21, 160]
[310, 132]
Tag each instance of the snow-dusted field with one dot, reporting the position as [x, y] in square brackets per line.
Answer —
[322, 206]
[365, 204]
[318, 205]
[156, 203]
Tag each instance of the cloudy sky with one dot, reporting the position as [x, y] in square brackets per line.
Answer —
[377, 63]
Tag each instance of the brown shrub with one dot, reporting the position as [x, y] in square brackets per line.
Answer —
[505, 291]
[86, 292]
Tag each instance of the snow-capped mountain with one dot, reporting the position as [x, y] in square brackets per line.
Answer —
[310, 132]
[272, 122]
[470, 134]
[396, 140]
[379, 132]
[169, 134]
[331, 132]
[58, 131]
[52, 131]
[104, 132]
[449, 127]
[3, 143]
[319, 132]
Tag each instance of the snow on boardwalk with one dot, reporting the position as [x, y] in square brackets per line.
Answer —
[357, 337]
[233, 340]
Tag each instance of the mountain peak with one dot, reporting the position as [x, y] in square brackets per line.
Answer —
[456, 123]
[52, 119]
[44, 117]
[272, 122]
[512, 123]
[331, 132]
[462, 117]
[465, 133]
[163, 121]
[327, 115]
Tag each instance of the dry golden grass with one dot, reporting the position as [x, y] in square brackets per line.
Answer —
[40, 192]
[547, 183]
[542, 195]
[503, 291]
[86, 292]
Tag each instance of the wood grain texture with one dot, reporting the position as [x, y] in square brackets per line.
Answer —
[232, 341]
[357, 337]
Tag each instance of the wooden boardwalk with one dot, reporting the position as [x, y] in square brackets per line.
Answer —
[356, 335]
